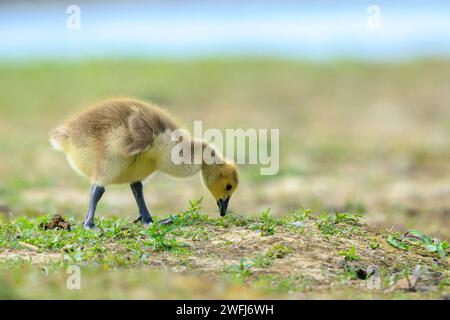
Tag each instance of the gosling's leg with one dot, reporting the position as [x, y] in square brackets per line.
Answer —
[144, 215]
[96, 194]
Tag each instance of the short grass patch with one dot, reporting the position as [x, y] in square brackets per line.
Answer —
[266, 255]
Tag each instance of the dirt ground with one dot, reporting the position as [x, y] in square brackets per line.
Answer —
[300, 257]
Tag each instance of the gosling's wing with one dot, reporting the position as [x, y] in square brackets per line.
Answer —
[140, 135]
[143, 126]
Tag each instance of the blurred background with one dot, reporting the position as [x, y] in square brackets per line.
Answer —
[359, 91]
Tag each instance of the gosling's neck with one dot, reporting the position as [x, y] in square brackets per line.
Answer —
[203, 157]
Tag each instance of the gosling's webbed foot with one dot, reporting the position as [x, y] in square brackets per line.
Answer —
[139, 219]
[146, 222]
[166, 221]
[90, 226]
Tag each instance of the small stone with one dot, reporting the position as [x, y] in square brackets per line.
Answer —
[297, 224]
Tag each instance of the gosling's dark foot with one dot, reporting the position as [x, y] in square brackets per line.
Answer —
[166, 221]
[145, 222]
[90, 226]
[163, 222]
[139, 219]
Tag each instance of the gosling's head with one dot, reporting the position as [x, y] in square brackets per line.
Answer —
[221, 180]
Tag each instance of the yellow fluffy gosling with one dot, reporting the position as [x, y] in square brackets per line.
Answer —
[125, 141]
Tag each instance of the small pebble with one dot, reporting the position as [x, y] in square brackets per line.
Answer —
[297, 224]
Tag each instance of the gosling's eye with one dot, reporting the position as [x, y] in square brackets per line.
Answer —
[228, 187]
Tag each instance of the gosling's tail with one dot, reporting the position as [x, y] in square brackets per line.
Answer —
[58, 138]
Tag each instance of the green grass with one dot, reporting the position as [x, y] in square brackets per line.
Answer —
[350, 254]
[228, 250]
[266, 224]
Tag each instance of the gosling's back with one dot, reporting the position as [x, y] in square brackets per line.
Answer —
[112, 141]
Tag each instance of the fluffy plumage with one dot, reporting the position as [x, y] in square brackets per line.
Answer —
[112, 142]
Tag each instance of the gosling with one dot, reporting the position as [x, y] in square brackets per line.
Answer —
[125, 141]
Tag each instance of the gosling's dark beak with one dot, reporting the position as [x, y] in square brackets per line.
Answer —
[223, 206]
